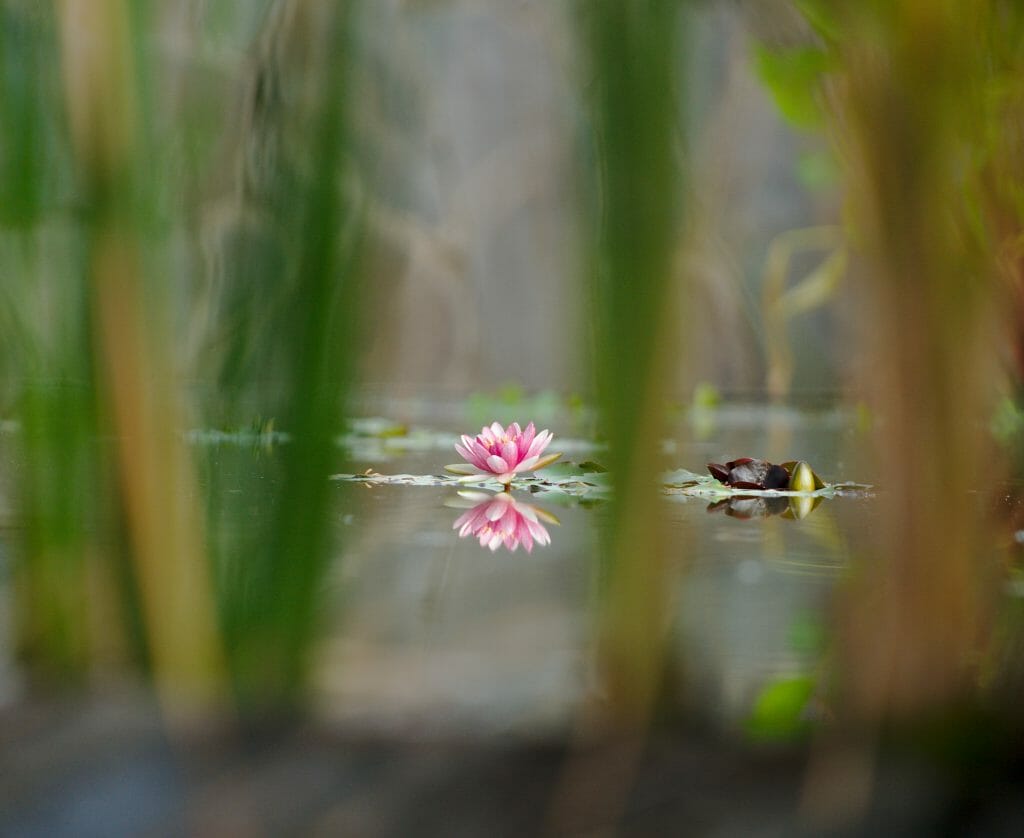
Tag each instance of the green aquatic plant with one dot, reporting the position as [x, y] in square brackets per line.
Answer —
[922, 104]
[632, 78]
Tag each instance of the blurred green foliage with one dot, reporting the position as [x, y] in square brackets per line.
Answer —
[780, 710]
[104, 157]
[513, 402]
[632, 47]
[792, 76]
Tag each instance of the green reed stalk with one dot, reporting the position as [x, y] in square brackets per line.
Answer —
[908, 99]
[44, 334]
[633, 50]
[154, 495]
[271, 595]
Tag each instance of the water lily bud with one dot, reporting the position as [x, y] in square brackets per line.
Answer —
[803, 479]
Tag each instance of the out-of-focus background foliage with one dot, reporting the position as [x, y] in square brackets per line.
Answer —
[471, 132]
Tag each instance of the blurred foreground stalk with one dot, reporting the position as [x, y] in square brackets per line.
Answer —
[46, 361]
[118, 570]
[632, 47]
[297, 179]
[908, 106]
[137, 393]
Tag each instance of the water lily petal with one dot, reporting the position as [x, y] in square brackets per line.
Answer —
[527, 511]
[495, 510]
[719, 472]
[481, 454]
[497, 430]
[498, 519]
[526, 440]
[539, 444]
[510, 453]
[537, 531]
[528, 464]
[497, 464]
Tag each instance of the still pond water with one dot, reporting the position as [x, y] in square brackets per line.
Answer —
[432, 631]
[429, 633]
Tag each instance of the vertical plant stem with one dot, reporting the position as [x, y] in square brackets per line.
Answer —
[909, 99]
[633, 48]
[140, 399]
[275, 606]
[45, 343]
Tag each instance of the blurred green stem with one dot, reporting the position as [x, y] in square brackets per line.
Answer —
[632, 45]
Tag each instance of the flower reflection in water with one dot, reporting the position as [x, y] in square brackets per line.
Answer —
[764, 506]
[500, 519]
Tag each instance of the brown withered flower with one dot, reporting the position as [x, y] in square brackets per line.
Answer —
[751, 473]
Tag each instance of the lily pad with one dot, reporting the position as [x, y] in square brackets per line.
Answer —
[574, 482]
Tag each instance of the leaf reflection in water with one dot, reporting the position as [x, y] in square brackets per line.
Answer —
[764, 506]
[500, 520]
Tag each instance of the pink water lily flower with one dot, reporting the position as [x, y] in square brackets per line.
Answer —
[500, 520]
[505, 452]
